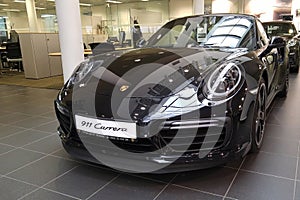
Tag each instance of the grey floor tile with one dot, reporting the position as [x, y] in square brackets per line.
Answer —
[11, 189]
[297, 192]
[33, 110]
[157, 177]
[46, 195]
[50, 115]
[50, 127]
[31, 122]
[280, 132]
[215, 180]
[5, 148]
[8, 130]
[62, 153]
[234, 164]
[178, 193]
[91, 179]
[267, 163]
[129, 187]
[3, 112]
[250, 186]
[285, 111]
[13, 118]
[24, 137]
[43, 171]
[298, 172]
[285, 118]
[46, 145]
[15, 159]
[280, 146]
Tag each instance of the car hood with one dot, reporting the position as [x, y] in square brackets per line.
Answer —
[153, 72]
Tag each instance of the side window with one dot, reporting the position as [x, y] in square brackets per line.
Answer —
[262, 36]
[249, 40]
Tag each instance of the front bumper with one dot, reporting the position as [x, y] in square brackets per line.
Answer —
[229, 145]
[184, 163]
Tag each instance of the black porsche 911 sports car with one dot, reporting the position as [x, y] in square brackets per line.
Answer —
[194, 96]
[287, 30]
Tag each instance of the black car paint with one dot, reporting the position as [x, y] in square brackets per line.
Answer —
[237, 141]
[294, 51]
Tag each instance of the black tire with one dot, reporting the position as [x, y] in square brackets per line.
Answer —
[296, 70]
[285, 89]
[259, 118]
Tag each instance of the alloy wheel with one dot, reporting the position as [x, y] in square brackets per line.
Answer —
[261, 115]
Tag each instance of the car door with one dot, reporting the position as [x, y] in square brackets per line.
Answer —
[269, 58]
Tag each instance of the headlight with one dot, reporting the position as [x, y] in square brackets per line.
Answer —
[81, 71]
[221, 85]
[292, 42]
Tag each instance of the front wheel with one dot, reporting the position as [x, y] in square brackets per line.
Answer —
[296, 68]
[259, 118]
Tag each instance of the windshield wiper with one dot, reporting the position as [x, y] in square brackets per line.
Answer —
[215, 46]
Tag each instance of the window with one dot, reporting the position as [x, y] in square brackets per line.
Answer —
[262, 36]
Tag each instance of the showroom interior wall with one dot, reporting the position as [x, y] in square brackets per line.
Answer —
[118, 15]
[295, 8]
[101, 21]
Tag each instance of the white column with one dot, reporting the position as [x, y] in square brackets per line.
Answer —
[198, 7]
[70, 35]
[296, 20]
[241, 8]
[32, 18]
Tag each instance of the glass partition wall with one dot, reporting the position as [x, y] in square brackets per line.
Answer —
[101, 21]
[122, 22]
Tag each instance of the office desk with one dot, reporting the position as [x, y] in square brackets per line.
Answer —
[86, 53]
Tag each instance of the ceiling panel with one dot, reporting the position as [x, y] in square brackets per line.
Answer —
[51, 5]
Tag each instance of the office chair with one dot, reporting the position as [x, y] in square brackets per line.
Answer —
[94, 44]
[3, 55]
[103, 48]
[14, 55]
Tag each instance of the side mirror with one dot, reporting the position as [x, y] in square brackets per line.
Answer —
[141, 43]
[277, 42]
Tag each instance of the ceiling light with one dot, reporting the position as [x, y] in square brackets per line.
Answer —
[47, 15]
[11, 10]
[39, 8]
[113, 1]
[51, 0]
[85, 4]
[3, 4]
[19, 1]
[145, 0]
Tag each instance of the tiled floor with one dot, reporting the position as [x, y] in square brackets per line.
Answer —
[33, 164]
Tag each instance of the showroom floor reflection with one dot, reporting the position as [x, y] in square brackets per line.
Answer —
[33, 164]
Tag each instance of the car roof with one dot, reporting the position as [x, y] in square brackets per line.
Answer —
[219, 14]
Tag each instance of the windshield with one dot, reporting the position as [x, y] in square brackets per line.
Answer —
[280, 29]
[207, 31]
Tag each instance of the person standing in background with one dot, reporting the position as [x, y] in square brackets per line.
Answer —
[136, 33]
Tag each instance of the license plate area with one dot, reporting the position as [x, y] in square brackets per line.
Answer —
[109, 128]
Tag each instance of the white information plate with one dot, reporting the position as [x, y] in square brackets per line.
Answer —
[106, 127]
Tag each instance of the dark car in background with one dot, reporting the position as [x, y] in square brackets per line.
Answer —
[287, 30]
[195, 96]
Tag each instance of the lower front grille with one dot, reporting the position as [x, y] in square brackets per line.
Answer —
[193, 136]
[211, 134]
